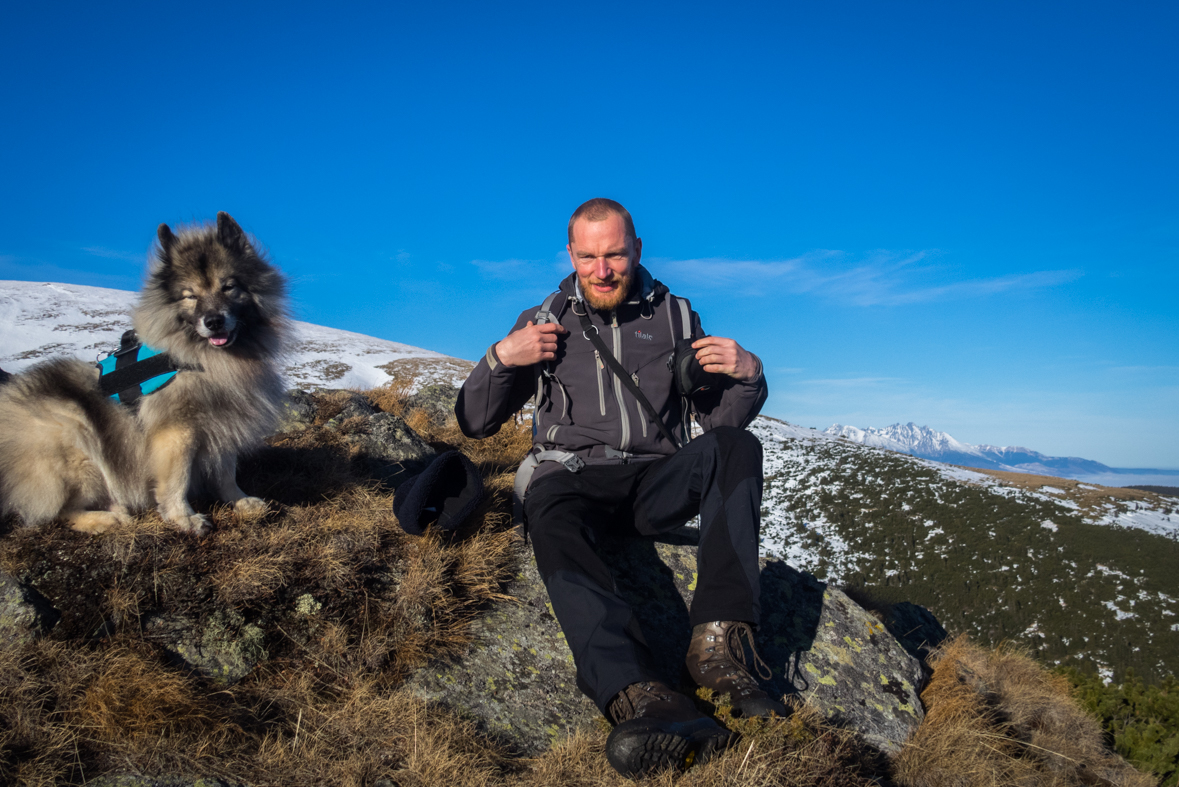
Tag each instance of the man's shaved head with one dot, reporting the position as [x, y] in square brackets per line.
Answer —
[600, 209]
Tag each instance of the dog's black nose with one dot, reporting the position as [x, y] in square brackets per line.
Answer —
[215, 322]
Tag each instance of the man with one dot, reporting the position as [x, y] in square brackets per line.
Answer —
[601, 461]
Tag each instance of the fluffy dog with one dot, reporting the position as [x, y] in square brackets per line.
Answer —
[216, 306]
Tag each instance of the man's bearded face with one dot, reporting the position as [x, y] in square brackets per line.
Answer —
[605, 259]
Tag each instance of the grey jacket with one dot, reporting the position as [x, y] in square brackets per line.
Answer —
[582, 408]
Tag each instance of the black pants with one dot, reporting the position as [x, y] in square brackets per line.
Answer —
[717, 475]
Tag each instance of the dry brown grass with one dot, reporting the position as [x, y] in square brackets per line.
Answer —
[391, 398]
[996, 717]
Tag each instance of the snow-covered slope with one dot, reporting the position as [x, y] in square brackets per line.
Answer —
[42, 320]
[931, 444]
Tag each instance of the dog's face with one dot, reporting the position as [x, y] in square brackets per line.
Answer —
[217, 284]
[210, 304]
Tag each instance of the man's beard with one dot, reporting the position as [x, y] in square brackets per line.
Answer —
[609, 300]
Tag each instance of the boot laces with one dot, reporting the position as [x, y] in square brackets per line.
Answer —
[736, 649]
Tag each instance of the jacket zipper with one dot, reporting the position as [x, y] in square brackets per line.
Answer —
[598, 367]
[624, 444]
[639, 408]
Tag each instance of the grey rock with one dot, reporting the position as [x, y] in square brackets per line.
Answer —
[223, 647]
[852, 668]
[4, 377]
[298, 412]
[391, 449]
[436, 400]
[518, 683]
[24, 613]
[355, 406]
[383, 443]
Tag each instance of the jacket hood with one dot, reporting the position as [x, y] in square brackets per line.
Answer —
[647, 288]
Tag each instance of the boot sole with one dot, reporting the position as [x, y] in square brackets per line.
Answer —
[642, 746]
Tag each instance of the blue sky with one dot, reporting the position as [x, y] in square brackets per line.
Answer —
[962, 215]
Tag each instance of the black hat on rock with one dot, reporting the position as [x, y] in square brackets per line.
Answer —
[448, 491]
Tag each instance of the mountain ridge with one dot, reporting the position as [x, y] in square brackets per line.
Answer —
[928, 443]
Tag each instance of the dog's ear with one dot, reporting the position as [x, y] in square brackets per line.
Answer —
[167, 241]
[229, 233]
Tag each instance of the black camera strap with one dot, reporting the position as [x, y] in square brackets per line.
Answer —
[590, 331]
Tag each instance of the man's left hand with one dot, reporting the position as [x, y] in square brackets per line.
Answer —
[724, 356]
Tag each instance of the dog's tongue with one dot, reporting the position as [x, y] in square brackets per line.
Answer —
[219, 339]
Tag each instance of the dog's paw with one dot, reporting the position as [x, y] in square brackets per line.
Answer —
[197, 524]
[96, 521]
[251, 506]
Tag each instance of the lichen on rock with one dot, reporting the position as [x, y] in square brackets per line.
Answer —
[223, 647]
[24, 613]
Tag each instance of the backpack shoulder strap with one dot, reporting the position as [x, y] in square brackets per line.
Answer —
[544, 314]
[680, 305]
[674, 305]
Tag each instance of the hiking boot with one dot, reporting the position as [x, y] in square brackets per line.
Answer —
[716, 660]
[659, 728]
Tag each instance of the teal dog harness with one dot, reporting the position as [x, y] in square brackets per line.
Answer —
[135, 370]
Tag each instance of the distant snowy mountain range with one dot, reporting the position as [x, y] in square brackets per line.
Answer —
[940, 447]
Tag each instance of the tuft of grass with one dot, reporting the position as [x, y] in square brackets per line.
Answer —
[391, 398]
[996, 717]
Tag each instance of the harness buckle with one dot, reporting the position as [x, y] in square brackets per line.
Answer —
[573, 463]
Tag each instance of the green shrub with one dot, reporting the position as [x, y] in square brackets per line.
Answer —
[1141, 719]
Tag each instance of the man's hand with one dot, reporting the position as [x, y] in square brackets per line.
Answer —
[725, 356]
[531, 344]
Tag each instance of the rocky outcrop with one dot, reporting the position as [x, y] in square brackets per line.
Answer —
[517, 678]
[298, 411]
[383, 443]
[24, 613]
[435, 400]
[387, 438]
[224, 648]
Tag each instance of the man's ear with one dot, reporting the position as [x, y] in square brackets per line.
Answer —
[638, 250]
[569, 250]
[229, 233]
[167, 241]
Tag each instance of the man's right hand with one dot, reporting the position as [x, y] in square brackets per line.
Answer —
[531, 344]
